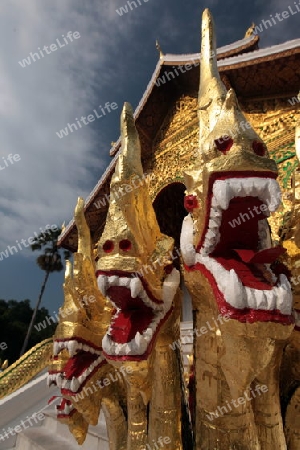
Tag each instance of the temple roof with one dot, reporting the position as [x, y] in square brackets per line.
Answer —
[272, 72]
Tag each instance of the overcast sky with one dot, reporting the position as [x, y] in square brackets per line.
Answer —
[112, 60]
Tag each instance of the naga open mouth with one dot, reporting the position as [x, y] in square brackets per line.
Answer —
[138, 316]
[235, 252]
[85, 360]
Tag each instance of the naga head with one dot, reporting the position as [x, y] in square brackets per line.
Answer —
[78, 362]
[230, 193]
[134, 268]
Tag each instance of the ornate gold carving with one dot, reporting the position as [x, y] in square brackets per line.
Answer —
[27, 367]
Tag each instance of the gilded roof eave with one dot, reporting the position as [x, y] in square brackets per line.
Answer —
[225, 63]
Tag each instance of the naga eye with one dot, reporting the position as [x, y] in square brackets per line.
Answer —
[259, 148]
[224, 144]
[108, 246]
[125, 245]
[190, 203]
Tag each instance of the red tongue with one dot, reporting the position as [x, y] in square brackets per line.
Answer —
[128, 323]
[266, 256]
[78, 363]
[133, 316]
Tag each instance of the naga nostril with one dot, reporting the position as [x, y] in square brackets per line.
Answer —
[108, 246]
[125, 245]
[224, 144]
[259, 148]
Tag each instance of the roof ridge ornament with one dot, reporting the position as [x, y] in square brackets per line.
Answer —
[158, 47]
[251, 31]
[212, 92]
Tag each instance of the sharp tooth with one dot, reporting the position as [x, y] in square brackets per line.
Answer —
[49, 380]
[234, 291]
[59, 380]
[210, 235]
[250, 298]
[102, 284]
[149, 332]
[238, 188]
[119, 348]
[213, 224]
[135, 287]
[124, 281]
[271, 299]
[261, 299]
[221, 192]
[86, 348]
[74, 384]
[81, 379]
[55, 348]
[127, 349]
[274, 195]
[216, 214]
[134, 350]
[170, 287]
[66, 384]
[285, 298]
[113, 280]
[61, 345]
[140, 342]
[106, 343]
[72, 347]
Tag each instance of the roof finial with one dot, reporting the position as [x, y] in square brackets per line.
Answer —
[212, 91]
[157, 45]
[250, 31]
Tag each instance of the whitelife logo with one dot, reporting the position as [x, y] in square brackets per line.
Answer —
[9, 160]
[124, 9]
[33, 57]
[86, 120]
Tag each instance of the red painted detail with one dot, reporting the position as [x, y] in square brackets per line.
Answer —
[108, 246]
[125, 245]
[149, 348]
[190, 203]
[238, 246]
[223, 176]
[246, 315]
[54, 397]
[134, 316]
[266, 256]
[78, 364]
[224, 144]
[71, 393]
[259, 148]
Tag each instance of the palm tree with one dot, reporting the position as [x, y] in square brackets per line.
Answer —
[49, 261]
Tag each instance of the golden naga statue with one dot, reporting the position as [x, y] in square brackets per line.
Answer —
[115, 349]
